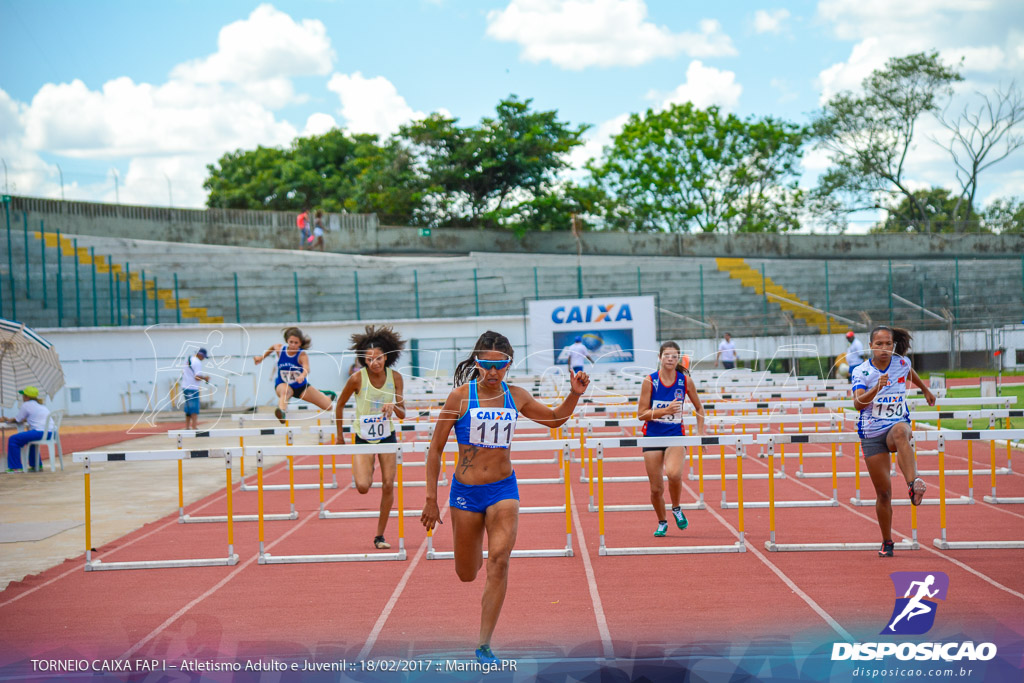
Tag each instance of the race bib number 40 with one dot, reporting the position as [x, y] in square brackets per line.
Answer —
[671, 418]
[374, 427]
[492, 427]
[889, 407]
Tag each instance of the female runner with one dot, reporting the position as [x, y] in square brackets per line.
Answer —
[378, 391]
[661, 407]
[292, 371]
[483, 410]
[879, 392]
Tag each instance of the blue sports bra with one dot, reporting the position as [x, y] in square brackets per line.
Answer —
[487, 427]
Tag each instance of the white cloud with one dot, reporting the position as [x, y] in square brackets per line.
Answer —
[706, 86]
[318, 124]
[266, 46]
[576, 34]
[371, 105]
[990, 58]
[770, 21]
[129, 119]
[207, 107]
[980, 31]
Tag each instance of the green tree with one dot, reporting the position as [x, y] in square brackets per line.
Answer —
[942, 206]
[499, 173]
[868, 136]
[684, 168]
[1006, 216]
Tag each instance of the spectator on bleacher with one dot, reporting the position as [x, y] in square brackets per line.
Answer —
[302, 223]
[37, 417]
[318, 231]
[190, 376]
[726, 353]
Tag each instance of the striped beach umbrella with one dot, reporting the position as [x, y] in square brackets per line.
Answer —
[26, 359]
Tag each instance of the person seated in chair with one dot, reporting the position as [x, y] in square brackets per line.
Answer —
[37, 417]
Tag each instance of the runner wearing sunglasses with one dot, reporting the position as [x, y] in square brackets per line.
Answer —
[483, 410]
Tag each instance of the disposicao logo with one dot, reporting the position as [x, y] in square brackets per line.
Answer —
[914, 612]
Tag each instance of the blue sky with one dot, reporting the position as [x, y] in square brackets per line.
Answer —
[155, 91]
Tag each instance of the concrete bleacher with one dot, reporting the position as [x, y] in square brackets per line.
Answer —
[990, 290]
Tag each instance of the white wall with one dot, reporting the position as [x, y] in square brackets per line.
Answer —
[132, 369]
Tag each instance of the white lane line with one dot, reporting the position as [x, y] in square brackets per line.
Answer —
[818, 609]
[923, 546]
[595, 596]
[371, 640]
[220, 584]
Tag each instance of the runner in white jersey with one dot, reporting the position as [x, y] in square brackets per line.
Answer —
[880, 394]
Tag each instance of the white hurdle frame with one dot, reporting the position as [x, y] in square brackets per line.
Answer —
[241, 433]
[833, 439]
[696, 441]
[520, 446]
[91, 565]
[290, 452]
[991, 435]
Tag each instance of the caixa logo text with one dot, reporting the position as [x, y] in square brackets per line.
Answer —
[592, 313]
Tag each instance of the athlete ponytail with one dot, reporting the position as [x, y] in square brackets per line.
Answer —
[900, 338]
[466, 371]
[684, 361]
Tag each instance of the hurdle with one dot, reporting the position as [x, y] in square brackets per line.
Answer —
[991, 436]
[291, 485]
[528, 446]
[833, 439]
[241, 433]
[267, 558]
[694, 441]
[91, 565]
[969, 416]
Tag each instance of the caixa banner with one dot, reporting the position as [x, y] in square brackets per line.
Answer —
[608, 332]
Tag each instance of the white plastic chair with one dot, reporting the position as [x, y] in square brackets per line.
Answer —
[53, 443]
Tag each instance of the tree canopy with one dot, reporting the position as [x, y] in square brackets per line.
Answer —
[684, 168]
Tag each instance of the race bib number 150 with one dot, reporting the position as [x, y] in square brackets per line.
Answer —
[888, 407]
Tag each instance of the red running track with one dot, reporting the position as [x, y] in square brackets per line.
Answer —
[583, 606]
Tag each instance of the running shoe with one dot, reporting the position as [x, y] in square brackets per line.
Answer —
[661, 530]
[916, 489]
[485, 656]
[681, 520]
[279, 414]
[887, 547]
[380, 544]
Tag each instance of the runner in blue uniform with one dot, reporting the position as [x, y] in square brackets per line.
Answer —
[880, 394]
[292, 371]
[661, 408]
[483, 410]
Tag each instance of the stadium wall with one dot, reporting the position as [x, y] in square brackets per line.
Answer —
[133, 369]
[362, 234]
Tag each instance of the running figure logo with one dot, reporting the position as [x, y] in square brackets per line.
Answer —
[914, 613]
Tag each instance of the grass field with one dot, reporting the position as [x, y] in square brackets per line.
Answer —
[962, 392]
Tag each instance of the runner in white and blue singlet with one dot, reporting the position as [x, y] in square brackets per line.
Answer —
[880, 394]
[483, 410]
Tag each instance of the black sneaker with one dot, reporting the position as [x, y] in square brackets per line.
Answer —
[380, 544]
[887, 547]
[915, 490]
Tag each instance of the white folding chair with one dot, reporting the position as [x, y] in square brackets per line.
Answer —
[53, 443]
